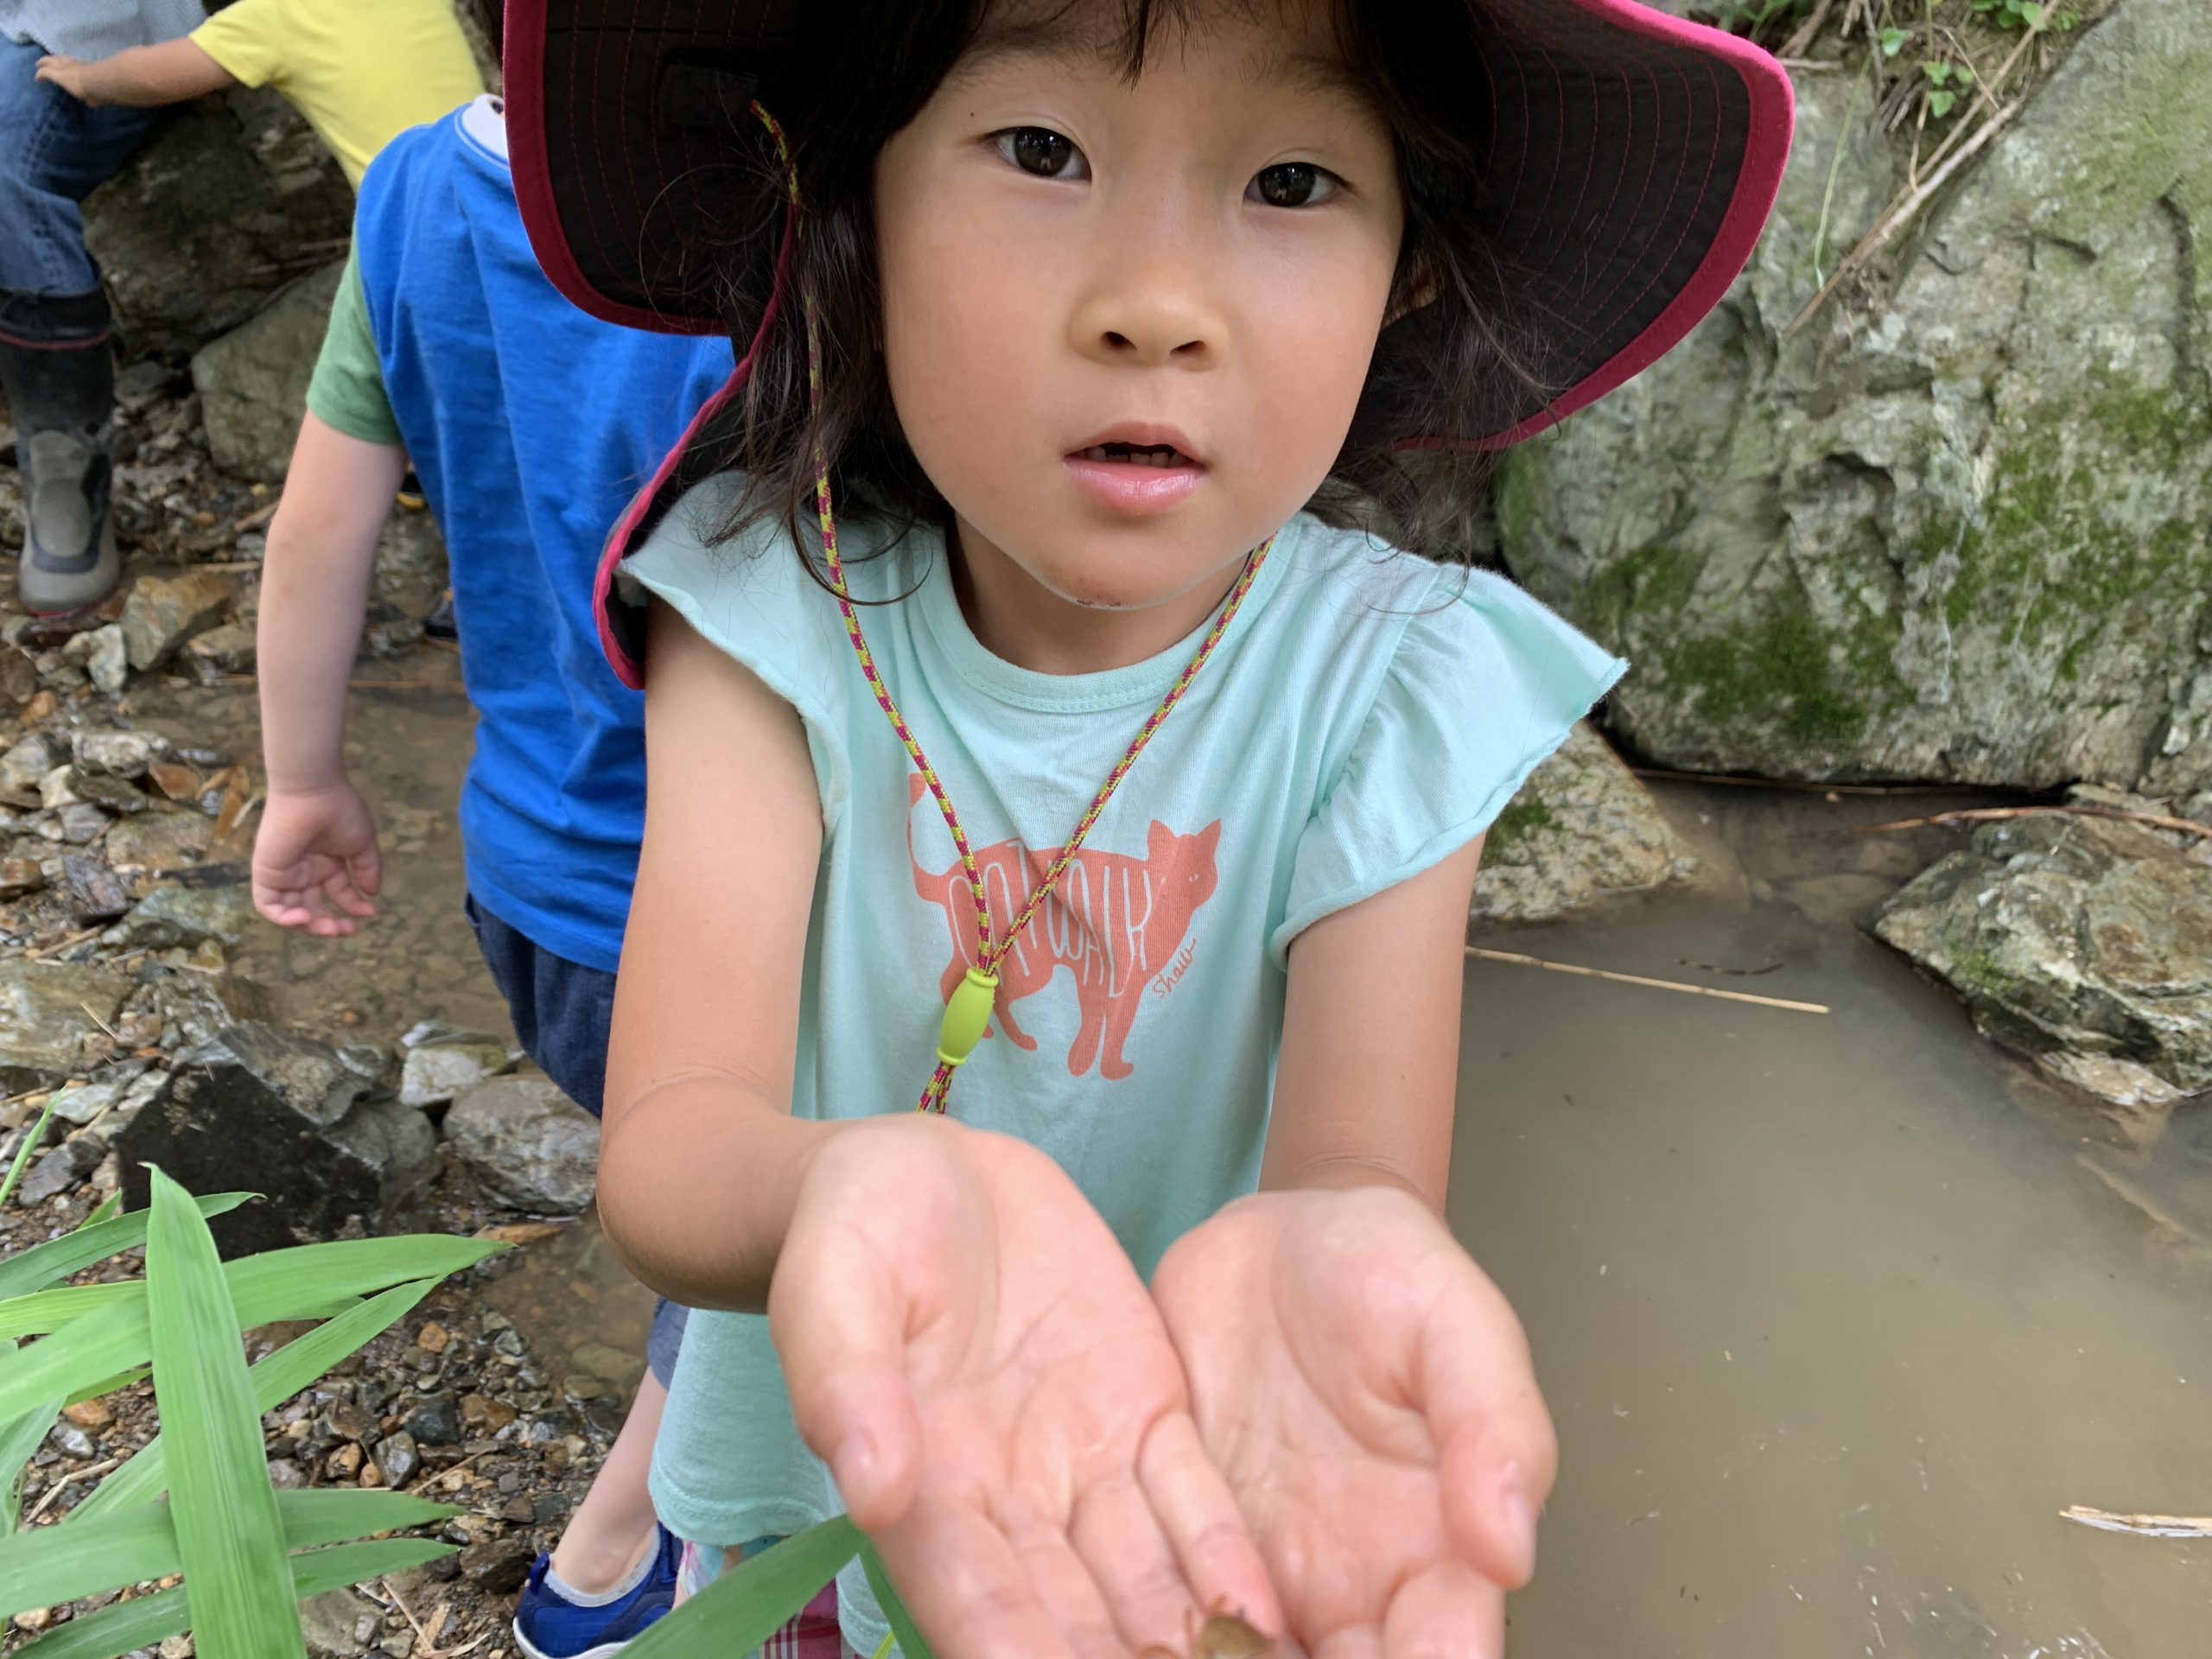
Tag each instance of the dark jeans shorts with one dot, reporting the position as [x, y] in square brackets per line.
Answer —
[562, 1012]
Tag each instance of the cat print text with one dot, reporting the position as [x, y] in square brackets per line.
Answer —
[1116, 920]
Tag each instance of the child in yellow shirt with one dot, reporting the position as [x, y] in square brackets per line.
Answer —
[359, 71]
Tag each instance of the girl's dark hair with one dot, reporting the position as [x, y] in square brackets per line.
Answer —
[1455, 335]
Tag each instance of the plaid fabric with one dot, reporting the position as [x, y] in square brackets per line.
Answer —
[813, 1634]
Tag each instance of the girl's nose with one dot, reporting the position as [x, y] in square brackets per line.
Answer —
[1150, 301]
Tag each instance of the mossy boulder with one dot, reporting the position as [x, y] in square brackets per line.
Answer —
[2084, 943]
[1582, 829]
[1963, 531]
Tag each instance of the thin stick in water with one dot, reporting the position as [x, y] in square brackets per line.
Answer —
[1520, 961]
[2142, 1526]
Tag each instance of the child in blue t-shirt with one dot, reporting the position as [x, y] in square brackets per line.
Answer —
[1028, 733]
[530, 424]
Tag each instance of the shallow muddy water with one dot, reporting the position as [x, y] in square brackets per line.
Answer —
[1835, 1313]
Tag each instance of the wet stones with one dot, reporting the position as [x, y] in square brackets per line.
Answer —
[118, 754]
[2084, 943]
[163, 611]
[47, 1011]
[442, 1063]
[24, 768]
[259, 1106]
[159, 842]
[1581, 830]
[96, 892]
[527, 1144]
[171, 916]
[57, 1171]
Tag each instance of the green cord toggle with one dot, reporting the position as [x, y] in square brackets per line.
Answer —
[967, 1011]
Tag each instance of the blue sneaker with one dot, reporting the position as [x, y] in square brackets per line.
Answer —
[551, 1625]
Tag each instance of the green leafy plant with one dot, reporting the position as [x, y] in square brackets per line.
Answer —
[196, 1500]
[1946, 81]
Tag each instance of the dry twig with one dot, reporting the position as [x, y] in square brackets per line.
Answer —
[1516, 958]
[2144, 1526]
[91, 1471]
[2075, 808]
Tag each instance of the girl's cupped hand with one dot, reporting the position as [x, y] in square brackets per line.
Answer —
[1368, 1393]
[969, 1348]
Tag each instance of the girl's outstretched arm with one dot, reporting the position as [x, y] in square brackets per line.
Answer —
[1365, 1389]
[145, 76]
[966, 1343]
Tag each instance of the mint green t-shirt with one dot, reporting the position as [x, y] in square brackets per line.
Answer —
[1366, 714]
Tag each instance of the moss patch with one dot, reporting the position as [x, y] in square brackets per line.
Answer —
[1510, 832]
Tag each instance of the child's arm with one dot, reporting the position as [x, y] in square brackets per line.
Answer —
[965, 1342]
[1365, 1389]
[314, 857]
[143, 76]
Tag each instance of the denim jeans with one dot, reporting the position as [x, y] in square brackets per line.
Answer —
[562, 1012]
[54, 152]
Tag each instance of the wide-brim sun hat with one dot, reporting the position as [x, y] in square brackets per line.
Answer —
[1630, 159]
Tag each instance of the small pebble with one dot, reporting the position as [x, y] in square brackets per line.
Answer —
[71, 1441]
[90, 1413]
[433, 1338]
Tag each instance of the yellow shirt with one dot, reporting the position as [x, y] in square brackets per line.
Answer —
[360, 70]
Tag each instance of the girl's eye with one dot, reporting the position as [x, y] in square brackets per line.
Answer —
[1293, 184]
[1042, 152]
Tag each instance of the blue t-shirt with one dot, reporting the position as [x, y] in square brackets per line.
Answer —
[531, 425]
[1366, 714]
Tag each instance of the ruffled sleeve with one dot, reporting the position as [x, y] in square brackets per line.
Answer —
[1484, 683]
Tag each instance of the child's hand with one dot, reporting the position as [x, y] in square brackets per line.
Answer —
[315, 864]
[68, 74]
[969, 1349]
[1369, 1396]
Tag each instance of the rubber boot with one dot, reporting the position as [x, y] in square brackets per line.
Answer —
[61, 395]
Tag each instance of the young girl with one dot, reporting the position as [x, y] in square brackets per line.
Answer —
[1027, 734]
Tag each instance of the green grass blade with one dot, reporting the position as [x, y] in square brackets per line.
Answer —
[96, 1240]
[107, 1207]
[750, 1603]
[18, 1440]
[903, 1628]
[110, 1384]
[299, 1283]
[24, 1148]
[129, 1625]
[228, 1532]
[76, 1557]
[275, 1379]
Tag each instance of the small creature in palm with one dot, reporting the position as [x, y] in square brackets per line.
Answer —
[1223, 1636]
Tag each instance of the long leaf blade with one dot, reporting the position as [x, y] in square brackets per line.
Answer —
[56, 1259]
[19, 1438]
[275, 1379]
[908, 1634]
[77, 1557]
[299, 1283]
[229, 1534]
[753, 1600]
[129, 1625]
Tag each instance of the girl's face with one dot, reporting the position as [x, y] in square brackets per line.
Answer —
[1127, 320]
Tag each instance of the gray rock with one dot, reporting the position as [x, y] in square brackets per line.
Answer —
[1581, 830]
[2077, 939]
[81, 1102]
[230, 649]
[160, 841]
[287, 1116]
[118, 795]
[56, 791]
[108, 661]
[25, 767]
[140, 385]
[95, 892]
[70, 1441]
[527, 1144]
[171, 916]
[254, 382]
[47, 1011]
[435, 1421]
[117, 753]
[499, 1567]
[82, 821]
[233, 195]
[397, 1458]
[60, 1170]
[327, 1622]
[1964, 532]
[435, 1071]
[163, 611]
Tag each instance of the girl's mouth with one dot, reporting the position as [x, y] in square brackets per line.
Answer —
[1128, 476]
[1137, 454]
